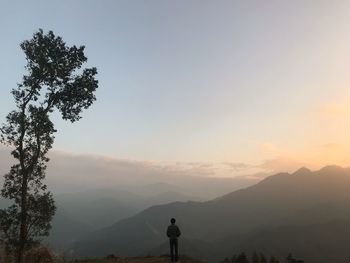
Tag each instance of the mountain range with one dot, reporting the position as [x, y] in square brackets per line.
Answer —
[81, 213]
[306, 213]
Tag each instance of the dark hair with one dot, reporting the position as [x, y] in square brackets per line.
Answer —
[173, 220]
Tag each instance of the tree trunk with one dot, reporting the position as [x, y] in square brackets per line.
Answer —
[23, 220]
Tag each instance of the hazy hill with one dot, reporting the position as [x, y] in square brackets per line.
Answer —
[103, 207]
[276, 206]
[65, 231]
[78, 214]
[319, 242]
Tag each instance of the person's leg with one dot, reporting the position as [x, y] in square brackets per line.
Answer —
[176, 245]
[171, 250]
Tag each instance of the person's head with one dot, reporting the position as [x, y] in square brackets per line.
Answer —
[173, 220]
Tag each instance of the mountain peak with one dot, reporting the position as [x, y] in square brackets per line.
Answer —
[331, 168]
[302, 171]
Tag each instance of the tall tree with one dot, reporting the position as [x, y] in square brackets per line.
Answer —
[273, 260]
[255, 258]
[54, 80]
[291, 259]
[242, 258]
[262, 258]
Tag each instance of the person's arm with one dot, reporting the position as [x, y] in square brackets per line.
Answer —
[168, 232]
[178, 232]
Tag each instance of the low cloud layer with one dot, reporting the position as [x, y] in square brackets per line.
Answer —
[68, 172]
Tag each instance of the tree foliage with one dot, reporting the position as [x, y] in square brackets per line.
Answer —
[55, 80]
[258, 258]
[291, 259]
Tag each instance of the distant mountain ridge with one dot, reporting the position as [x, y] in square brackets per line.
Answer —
[79, 213]
[279, 206]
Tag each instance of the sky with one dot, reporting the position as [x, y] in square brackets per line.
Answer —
[247, 86]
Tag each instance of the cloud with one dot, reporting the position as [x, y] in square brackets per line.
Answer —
[256, 177]
[282, 164]
[238, 166]
[68, 172]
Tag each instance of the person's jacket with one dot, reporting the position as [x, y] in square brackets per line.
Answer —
[173, 231]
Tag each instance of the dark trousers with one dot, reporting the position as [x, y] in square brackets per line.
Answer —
[174, 249]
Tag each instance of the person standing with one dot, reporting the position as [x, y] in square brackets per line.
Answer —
[173, 232]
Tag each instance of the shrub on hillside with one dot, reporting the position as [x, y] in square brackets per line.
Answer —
[258, 258]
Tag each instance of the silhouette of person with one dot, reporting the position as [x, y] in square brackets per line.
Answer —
[173, 232]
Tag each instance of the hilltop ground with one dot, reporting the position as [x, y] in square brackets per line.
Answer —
[150, 259]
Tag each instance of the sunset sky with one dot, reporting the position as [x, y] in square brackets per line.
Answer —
[250, 85]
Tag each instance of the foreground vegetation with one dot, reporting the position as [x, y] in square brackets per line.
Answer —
[259, 258]
[149, 259]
